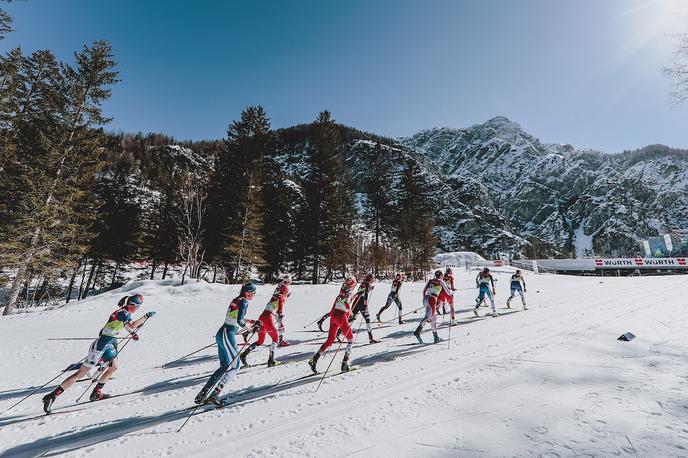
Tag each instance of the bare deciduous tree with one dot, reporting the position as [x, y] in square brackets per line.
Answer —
[192, 211]
[679, 71]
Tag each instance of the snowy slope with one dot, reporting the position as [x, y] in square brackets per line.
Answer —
[550, 381]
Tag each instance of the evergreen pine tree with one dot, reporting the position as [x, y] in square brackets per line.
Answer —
[235, 206]
[327, 211]
[377, 211]
[51, 141]
[415, 220]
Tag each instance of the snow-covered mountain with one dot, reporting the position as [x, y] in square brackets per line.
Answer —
[577, 200]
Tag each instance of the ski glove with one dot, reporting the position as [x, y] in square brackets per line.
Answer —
[134, 336]
[257, 325]
[150, 314]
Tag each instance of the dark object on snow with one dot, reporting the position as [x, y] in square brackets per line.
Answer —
[627, 337]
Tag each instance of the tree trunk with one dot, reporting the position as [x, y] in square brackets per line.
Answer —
[184, 274]
[153, 267]
[71, 283]
[16, 287]
[114, 275]
[164, 270]
[83, 276]
[95, 277]
[214, 272]
[90, 277]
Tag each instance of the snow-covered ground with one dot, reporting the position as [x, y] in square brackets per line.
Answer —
[550, 381]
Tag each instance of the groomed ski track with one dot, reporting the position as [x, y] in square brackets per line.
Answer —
[550, 381]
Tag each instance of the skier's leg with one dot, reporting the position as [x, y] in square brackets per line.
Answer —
[432, 302]
[110, 371]
[234, 363]
[491, 297]
[398, 302]
[428, 314]
[346, 330]
[390, 298]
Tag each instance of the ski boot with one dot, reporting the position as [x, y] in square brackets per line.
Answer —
[345, 364]
[271, 360]
[525, 307]
[214, 398]
[320, 323]
[200, 397]
[416, 333]
[475, 310]
[453, 322]
[97, 394]
[313, 362]
[495, 314]
[401, 321]
[377, 319]
[371, 339]
[436, 337]
[243, 356]
[282, 343]
[49, 398]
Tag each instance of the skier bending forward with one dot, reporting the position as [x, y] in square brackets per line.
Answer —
[226, 346]
[339, 320]
[431, 292]
[275, 305]
[105, 344]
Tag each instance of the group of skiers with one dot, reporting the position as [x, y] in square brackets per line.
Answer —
[102, 361]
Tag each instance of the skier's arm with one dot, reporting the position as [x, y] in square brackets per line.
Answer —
[523, 280]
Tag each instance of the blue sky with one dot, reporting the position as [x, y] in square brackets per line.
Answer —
[585, 72]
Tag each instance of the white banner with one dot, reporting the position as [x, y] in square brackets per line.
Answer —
[641, 263]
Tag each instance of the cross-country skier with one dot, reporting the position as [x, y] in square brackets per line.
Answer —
[120, 320]
[393, 296]
[227, 347]
[360, 304]
[274, 306]
[485, 282]
[431, 293]
[448, 298]
[339, 321]
[517, 284]
[345, 289]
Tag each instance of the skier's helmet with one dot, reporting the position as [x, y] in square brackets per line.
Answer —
[109, 354]
[134, 302]
[438, 273]
[486, 269]
[248, 288]
[400, 276]
[518, 272]
[350, 281]
[448, 271]
[370, 278]
[286, 280]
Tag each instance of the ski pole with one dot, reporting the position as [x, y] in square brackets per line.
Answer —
[312, 322]
[407, 313]
[449, 339]
[218, 381]
[190, 354]
[37, 389]
[129, 339]
[79, 338]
